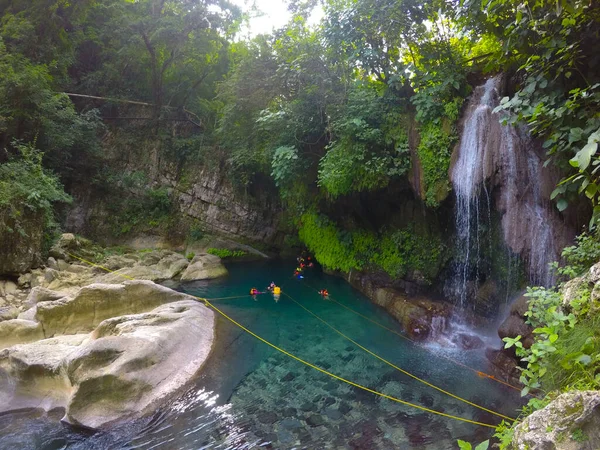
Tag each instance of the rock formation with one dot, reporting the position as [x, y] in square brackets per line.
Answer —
[570, 422]
[204, 267]
[106, 353]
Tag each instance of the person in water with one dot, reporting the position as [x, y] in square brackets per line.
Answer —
[276, 293]
[271, 286]
[324, 292]
[254, 291]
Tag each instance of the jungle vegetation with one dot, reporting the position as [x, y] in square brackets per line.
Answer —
[322, 113]
[319, 114]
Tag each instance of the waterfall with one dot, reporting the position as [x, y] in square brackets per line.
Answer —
[501, 161]
[438, 327]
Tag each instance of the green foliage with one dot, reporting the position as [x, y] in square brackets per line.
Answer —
[285, 165]
[467, 446]
[226, 253]
[141, 210]
[368, 149]
[395, 252]
[324, 240]
[581, 256]
[559, 93]
[565, 353]
[31, 111]
[504, 433]
[190, 255]
[566, 350]
[578, 435]
[435, 151]
[196, 232]
[28, 192]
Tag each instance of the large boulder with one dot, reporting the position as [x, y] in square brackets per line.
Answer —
[515, 324]
[570, 422]
[94, 303]
[204, 267]
[156, 266]
[69, 244]
[124, 368]
[17, 331]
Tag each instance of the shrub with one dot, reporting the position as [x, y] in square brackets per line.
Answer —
[26, 188]
[393, 251]
[226, 253]
[435, 151]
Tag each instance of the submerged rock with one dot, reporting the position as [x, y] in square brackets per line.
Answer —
[122, 369]
[204, 267]
[570, 422]
[468, 341]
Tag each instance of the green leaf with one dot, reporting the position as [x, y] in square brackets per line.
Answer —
[552, 338]
[584, 359]
[582, 159]
[591, 190]
[483, 446]
[464, 445]
[562, 204]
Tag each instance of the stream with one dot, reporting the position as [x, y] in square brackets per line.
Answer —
[250, 396]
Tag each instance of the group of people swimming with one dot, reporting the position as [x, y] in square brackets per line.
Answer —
[273, 288]
[303, 263]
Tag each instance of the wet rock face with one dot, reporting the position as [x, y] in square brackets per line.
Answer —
[515, 325]
[420, 317]
[504, 364]
[570, 422]
[203, 195]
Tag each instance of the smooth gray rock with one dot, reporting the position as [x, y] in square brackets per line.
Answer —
[570, 422]
[52, 263]
[17, 331]
[8, 313]
[204, 267]
[41, 294]
[94, 303]
[126, 367]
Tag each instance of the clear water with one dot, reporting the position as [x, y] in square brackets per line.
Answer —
[251, 396]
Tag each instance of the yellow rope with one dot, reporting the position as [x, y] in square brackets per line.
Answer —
[281, 350]
[405, 372]
[478, 372]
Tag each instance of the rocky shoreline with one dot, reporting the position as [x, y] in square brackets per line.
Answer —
[101, 346]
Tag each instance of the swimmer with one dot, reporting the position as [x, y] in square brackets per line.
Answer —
[324, 292]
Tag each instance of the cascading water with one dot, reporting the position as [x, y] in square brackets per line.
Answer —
[467, 175]
[502, 161]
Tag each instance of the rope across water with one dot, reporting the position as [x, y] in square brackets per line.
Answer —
[296, 358]
[458, 363]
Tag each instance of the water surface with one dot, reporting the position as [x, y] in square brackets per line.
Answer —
[251, 396]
